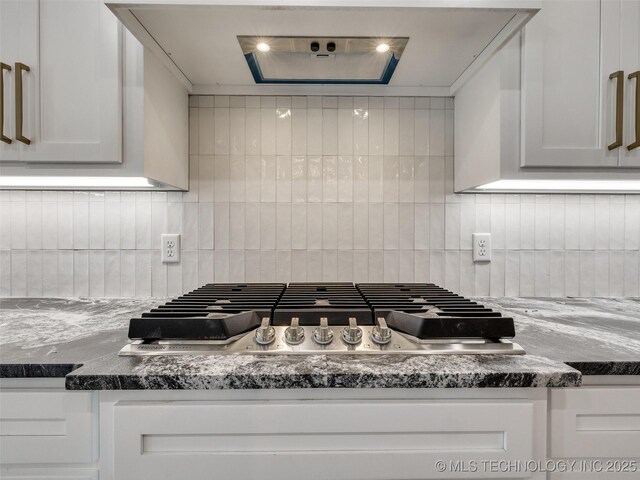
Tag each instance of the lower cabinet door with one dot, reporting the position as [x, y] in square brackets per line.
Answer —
[310, 440]
[46, 427]
[595, 422]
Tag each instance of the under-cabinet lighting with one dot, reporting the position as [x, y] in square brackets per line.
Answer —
[563, 186]
[382, 47]
[74, 182]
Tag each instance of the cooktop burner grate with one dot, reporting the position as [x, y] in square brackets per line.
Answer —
[211, 312]
[331, 318]
[429, 311]
[309, 302]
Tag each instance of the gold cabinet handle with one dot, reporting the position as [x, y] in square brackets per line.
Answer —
[3, 67]
[619, 76]
[20, 67]
[636, 144]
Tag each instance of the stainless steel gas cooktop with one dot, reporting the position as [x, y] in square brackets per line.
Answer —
[321, 318]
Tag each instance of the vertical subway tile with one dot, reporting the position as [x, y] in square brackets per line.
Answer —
[360, 226]
[298, 131]
[283, 131]
[406, 179]
[376, 131]
[268, 266]
[375, 177]
[283, 179]
[206, 267]
[80, 224]
[81, 273]
[268, 131]
[283, 226]
[314, 131]
[221, 179]
[345, 225]
[345, 178]
[376, 226]
[49, 273]
[329, 179]
[221, 131]
[390, 174]
[314, 179]
[237, 131]
[252, 227]
[252, 131]
[299, 226]
[360, 131]
[345, 131]
[360, 179]
[329, 131]
[65, 273]
[391, 128]
[298, 266]
[267, 226]
[33, 225]
[237, 227]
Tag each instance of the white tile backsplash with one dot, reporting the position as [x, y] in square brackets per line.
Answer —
[318, 189]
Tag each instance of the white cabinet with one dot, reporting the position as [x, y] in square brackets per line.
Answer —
[542, 113]
[99, 110]
[71, 98]
[630, 63]
[568, 52]
[47, 432]
[337, 439]
[593, 422]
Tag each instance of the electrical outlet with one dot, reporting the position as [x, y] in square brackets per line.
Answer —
[170, 247]
[481, 247]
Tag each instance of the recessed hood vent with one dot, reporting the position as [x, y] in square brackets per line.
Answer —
[322, 60]
[324, 47]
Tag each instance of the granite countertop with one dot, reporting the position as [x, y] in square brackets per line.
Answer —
[80, 338]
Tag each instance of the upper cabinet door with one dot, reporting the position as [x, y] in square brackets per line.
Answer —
[630, 60]
[569, 102]
[9, 20]
[72, 97]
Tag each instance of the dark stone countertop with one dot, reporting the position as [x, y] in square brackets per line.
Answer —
[54, 337]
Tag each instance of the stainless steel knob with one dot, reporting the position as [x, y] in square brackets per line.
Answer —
[265, 334]
[381, 333]
[294, 334]
[323, 334]
[352, 334]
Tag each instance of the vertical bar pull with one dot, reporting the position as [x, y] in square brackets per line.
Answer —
[636, 143]
[20, 67]
[619, 77]
[3, 67]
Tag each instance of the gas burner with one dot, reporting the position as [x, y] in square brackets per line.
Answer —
[321, 318]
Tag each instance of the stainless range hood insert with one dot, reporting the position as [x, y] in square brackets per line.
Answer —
[322, 60]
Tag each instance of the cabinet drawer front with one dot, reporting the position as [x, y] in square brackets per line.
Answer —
[320, 440]
[595, 422]
[46, 427]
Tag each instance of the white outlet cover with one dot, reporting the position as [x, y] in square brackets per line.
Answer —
[481, 247]
[170, 247]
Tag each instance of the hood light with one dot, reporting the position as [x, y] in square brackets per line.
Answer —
[263, 47]
[382, 48]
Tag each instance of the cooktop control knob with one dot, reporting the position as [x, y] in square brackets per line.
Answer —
[265, 334]
[294, 334]
[381, 333]
[323, 334]
[352, 334]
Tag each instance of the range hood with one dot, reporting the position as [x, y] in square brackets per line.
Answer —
[373, 47]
